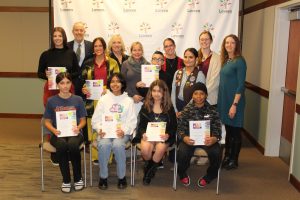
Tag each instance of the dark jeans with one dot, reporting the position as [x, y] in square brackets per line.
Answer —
[234, 133]
[68, 147]
[186, 152]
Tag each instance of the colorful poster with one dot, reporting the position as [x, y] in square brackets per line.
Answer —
[199, 130]
[66, 122]
[52, 78]
[155, 130]
[150, 73]
[95, 88]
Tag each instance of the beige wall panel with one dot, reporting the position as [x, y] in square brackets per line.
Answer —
[250, 3]
[26, 3]
[25, 37]
[257, 46]
[298, 87]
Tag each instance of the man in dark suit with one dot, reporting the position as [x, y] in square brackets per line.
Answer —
[83, 50]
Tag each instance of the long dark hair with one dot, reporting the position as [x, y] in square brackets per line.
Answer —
[237, 51]
[64, 36]
[121, 79]
[166, 103]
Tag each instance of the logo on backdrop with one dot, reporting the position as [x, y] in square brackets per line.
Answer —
[225, 6]
[209, 27]
[161, 6]
[129, 6]
[86, 35]
[144, 29]
[66, 5]
[176, 30]
[98, 5]
[113, 28]
[193, 6]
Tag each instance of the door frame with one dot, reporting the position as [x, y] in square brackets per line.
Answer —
[277, 79]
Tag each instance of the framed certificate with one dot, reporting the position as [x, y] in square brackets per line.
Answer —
[154, 130]
[150, 73]
[198, 131]
[65, 123]
[95, 88]
[52, 78]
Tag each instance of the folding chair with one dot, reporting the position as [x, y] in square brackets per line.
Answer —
[222, 145]
[46, 146]
[93, 144]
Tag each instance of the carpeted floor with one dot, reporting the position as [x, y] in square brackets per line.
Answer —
[258, 177]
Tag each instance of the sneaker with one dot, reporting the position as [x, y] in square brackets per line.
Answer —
[202, 182]
[185, 181]
[53, 159]
[103, 184]
[95, 162]
[122, 183]
[78, 185]
[160, 165]
[66, 187]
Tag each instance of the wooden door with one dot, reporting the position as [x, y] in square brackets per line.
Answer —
[289, 90]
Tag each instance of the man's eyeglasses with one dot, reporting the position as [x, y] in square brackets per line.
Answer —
[157, 59]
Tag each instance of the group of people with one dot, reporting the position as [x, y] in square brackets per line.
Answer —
[200, 86]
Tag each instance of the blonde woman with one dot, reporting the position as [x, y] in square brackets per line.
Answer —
[116, 49]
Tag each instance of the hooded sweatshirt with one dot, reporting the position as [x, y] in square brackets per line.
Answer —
[122, 107]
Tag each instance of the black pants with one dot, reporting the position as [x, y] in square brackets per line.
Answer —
[186, 152]
[65, 147]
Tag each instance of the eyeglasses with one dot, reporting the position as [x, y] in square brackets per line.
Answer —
[157, 59]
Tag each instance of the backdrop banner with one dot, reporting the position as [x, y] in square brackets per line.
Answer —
[150, 21]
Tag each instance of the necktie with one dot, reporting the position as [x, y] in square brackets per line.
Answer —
[78, 52]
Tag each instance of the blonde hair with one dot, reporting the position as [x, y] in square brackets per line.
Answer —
[112, 39]
[136, 44]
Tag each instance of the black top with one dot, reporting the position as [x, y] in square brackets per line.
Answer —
[145, 117]
[58, 58]
[124, 57]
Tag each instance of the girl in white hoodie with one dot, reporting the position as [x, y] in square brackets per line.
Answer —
[114, 120]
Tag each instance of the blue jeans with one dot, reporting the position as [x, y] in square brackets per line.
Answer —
[117, 145]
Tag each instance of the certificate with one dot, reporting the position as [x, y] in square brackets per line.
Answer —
[95, 88]
[65, 123]
[110, 124]
[198, 131]
[52, 78]
[154, 130]
[150, 73]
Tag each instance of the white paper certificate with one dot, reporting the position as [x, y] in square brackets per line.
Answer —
[110, 125]
[154, 130]
[198, 131]
[150, 73]
[65, 122]
[95, 88]
[52, 78]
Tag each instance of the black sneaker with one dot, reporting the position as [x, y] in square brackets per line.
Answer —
[95, 162]
[103, 184]
[53, 159]
[160, 165]
[122, 183]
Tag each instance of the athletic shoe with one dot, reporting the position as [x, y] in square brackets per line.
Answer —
[78, 185]
[103, 184]
[160, 165]
[95, 162]
[66, 187]
[185, 181]
[202, 182]
[53, 159]
[122, 183]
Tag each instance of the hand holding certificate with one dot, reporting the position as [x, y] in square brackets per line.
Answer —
[199, 130]
[155, 130]
[95, 88]
[110, 125]
[52, 78]
[66, 122]
[150, 73]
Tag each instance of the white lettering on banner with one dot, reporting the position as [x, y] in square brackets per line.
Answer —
[151, 21]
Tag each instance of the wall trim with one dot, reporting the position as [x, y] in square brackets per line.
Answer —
[23, 9]
[18, 75]
[263, 5]
[256, 89]
[295, 182]
[260, 148]
[18, 115]
[298, 109]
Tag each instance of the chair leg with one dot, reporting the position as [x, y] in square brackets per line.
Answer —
[42, 168]
[131, 165]
[91, 167]
[218, 181]
[84, 162]
[134, 163]
[175, 171]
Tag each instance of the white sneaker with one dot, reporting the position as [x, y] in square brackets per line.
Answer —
[78, 185]
[66, 187]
